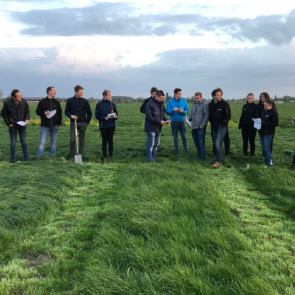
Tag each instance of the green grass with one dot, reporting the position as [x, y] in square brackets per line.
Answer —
[177, 226]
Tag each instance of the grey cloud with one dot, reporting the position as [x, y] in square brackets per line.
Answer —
[236, 71]
[120, 19]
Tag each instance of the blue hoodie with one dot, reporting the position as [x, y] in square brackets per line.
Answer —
[173, 103]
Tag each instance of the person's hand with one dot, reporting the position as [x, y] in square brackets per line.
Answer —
[115, 117]
[47, 113]
[201, 127]
[27, 121]
[176, 109]
[168, 122]
[180, 110]
[163, 122]
[106, 118]
[74, 117]
[10, 125]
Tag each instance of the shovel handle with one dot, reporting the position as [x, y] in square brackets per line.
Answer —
[76, 132]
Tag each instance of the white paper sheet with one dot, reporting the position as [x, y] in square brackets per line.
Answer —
[257, 123]
[111, 115]
[22, 123]
[187, 121]
[52, 113]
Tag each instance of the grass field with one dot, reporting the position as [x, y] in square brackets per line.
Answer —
[176, 226]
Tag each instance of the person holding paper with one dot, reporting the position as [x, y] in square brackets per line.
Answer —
[177, 108]
[219, 115]
[16, 110]
[78, 108]
[154, 120]
[269, 120]
[199, 118]
[106, 113]
[50, 111]
[249, 111]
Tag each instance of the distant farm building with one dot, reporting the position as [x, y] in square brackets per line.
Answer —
[33, 98]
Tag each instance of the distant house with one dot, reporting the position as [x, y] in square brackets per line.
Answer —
[33, 98]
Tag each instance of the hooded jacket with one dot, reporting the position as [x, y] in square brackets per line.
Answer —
[154, 114]
[78, 107]
[13, 112]
[219, 114]
[47, 104]
[199, 114]
[249, 111]
[174, 103]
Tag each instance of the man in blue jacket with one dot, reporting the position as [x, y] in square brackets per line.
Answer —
[177, 108]
[78, 108]
[154, 120]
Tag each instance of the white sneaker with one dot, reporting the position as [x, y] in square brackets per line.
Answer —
[271, 162]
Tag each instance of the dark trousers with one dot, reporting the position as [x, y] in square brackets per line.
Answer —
[226, 141]
[81, 127]
[271, 144]
[107, 135]
[248, 134]
[22, 132]
[294, 159]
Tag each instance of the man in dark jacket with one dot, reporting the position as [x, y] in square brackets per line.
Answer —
[51, 117]
[154, 120]
[78, 108]
[219, 115]
[16, 111]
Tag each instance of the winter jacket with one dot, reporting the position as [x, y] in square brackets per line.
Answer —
[103, 108]
[47, 104]
[146, 101]
[154, 114]
[13, 112]
[219, 114]
[78, 107]
[173, 103]
[269, 120]
[249, 111]
[199, 114]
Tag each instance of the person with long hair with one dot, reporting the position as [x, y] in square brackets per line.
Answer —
[262, 98]
[106, 113]
[269, 120]
[249, 111]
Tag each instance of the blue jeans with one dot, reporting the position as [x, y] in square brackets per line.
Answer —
[265, 141]
[44, 131]
[175, 127]
[22, 131]
[153, 141]
[218, 135]
[199, 140]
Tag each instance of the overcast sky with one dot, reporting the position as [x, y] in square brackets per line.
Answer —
[128, 47]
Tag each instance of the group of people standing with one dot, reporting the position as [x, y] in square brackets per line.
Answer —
[16, 115]
[218, 113]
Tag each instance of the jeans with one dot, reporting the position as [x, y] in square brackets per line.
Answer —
[248, 133]
[13, 138]
[199, 140]
[44, 131]
[218, 135]
[226, 142]
[153, 141]
[107, 135]
[265, 141]
[82, 131]
[175, 127]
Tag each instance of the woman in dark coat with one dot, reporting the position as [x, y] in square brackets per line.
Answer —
[269, 120]
[106, 113]
[249, 111]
